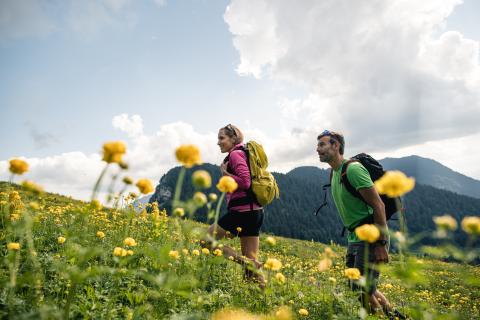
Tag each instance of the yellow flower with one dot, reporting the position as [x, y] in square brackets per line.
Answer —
[34, 205]
[352, 273]
[280, 277]
[188, 155]
[388, 286]
[234, 314]
[445, 222]
[18, 166]
[303, 312]
[119, 252]
[145, 186]
[201, 179]
[324, 265]
[195, 252]
[96, 204]
[212, 197]
[217, 252]
[174, 254]
[185, 252]
[205, 251]
[273, 264]
[471, 225]
[130, 242]
[14, 196]
[13, 246]
[179, 212]
[127, 180]
[283, 313]
[113, 151]
[130, 252]
[32, 186]
[394, 184]
[200, 198]
[239, 229]
[368, 232]
[329, 252]
[61, 240]
[271, 241]
[100, 234]
[227, 184]
[332, 280]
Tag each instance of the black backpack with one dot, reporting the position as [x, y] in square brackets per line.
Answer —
[376, 171]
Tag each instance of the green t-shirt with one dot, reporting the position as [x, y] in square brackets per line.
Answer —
[351, 208]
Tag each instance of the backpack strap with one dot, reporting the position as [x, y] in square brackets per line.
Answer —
[354, 192]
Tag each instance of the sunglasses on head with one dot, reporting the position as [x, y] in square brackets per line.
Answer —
[230, 128]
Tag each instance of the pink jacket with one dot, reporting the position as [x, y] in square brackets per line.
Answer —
[238, 169]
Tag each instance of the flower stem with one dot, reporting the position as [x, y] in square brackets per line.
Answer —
[178, 188]
[97, 184]
[217, 213]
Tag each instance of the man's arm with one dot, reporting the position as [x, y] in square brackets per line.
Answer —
[372, 198]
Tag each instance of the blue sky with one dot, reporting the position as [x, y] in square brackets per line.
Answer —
[396, 78]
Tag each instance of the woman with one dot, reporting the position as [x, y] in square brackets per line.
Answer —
[245, 216]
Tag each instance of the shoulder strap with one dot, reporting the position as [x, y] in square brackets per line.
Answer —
[346, 182]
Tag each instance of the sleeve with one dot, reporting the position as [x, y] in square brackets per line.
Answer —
[239, 169]
[358, 176]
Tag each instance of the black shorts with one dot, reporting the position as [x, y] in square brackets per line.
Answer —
[355, 258]
[250, 222]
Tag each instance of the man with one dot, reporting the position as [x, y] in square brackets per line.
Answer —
[352, 211]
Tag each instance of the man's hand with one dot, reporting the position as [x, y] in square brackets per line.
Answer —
[223, 169]
[381, 254]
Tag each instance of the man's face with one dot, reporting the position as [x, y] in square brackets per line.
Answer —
[326, 150]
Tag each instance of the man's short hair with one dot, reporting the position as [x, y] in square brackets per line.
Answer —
[334, 136]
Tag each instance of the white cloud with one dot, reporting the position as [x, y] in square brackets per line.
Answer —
[375, 70]
[132, 126]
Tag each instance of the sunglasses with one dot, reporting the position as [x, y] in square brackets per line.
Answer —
[230, 128]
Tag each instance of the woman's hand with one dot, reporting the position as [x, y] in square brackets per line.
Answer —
[223, 168]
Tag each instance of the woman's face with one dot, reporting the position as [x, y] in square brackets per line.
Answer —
[225, 142]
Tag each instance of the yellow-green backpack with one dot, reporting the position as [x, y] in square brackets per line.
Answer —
[264, 186]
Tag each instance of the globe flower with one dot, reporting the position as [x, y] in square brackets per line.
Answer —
[130, 252]
[130, 242]
[280, 277]
[113, 151]
[394, 184]
[18, 166]
[200, 198]
[271, 241]
[368, 232]
[273, 264]
[14, 246]
[217, 252]
[352, 273]
[61, 240]
[127, 180]
[227, 184]
[212, 197]
[239, 229]
[145, 186]
[303, 312]
[206, 251]
[174, 254]
[195, 252]
[445, 222]
[179, 212]
[185, 252]
[324, 265]
[96, 204]
[471, 225]
[233, 314]
[32, 186]
[283, 313]
[201, 179]
[100, 234]
[188, 155]
[119, 252]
